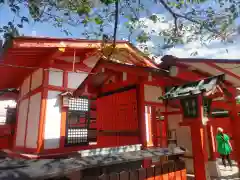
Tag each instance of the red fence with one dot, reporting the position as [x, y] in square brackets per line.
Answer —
[171, 170]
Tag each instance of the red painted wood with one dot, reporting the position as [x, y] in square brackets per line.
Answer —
[178, 175]
[124, 175]
[150, 173]
[199, 154]
[117, 112]
[142, 174]
[158, 172]
[184, 174]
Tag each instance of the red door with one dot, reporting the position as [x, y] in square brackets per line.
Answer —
[117, 121]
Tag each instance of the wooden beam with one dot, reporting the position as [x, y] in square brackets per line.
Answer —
[135, 70]
[49, 60]
[53, 43]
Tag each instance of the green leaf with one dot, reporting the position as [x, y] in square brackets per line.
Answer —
[34, 10]
[154, 18]
[143, 37]
[20, 25]
[98, 20]
[24, 19]
[108, 2]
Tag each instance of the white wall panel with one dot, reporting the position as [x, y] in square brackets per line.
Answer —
[21, 122]
[52, 131]
[25, 86]
[33, 120]
[37, 78]
[75, 79]
[55, 77]
[174, 120]
[152, 93]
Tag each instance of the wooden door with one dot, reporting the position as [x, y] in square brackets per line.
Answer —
[117, 121]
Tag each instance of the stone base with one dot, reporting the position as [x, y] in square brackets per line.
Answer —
[213, 169]
[212, 166]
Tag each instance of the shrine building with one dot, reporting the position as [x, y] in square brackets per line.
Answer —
[80, 96]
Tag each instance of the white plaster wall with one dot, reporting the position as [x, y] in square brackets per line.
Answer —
[55, 77]
[25, 86]
[52, 131]
[184, 139]
[21, 122]
[75, 79]
[183, 133]
[173, 121]
[37, 78]
[152, 93]
[33, 120]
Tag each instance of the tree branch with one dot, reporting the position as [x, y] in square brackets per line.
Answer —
[176, 16]
[115, 28]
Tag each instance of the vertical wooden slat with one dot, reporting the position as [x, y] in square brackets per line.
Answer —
[124, 175]
[150, 173]
[141, 174]
[133, 175]
[171, 170]
[182, 169]
[103, 177]
[184, 174]
[165, 167]
[158, 172]
[114, 176]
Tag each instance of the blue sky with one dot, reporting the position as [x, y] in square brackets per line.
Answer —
[215, 49]
[46, 29]
[41, 29]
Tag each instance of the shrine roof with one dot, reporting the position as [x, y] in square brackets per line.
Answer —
[194, 88]
[20, 56]
[209, 67]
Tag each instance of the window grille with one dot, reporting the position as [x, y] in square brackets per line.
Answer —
[78, 120]
[78, 104]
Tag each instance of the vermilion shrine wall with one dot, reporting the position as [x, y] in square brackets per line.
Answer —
[39, 124]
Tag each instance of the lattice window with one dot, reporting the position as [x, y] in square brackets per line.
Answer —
[78, 104]
[77, 136]
[78, 121]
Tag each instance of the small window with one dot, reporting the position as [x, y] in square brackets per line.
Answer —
[78, 104]
[78, 119]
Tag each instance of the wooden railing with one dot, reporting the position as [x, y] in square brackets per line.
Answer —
[169, 170]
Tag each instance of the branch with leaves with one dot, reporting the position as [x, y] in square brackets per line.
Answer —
[188, 23]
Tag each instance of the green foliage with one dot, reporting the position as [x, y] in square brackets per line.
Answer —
[189, 23]
[238, 100]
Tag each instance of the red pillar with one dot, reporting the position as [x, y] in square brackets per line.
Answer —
[235, 125]
[211, 142]
[141, 115]
[200, 156]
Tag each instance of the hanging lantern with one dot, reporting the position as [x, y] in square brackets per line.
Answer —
[65, 101]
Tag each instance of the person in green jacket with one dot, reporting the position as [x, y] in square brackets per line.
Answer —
[224, 147]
